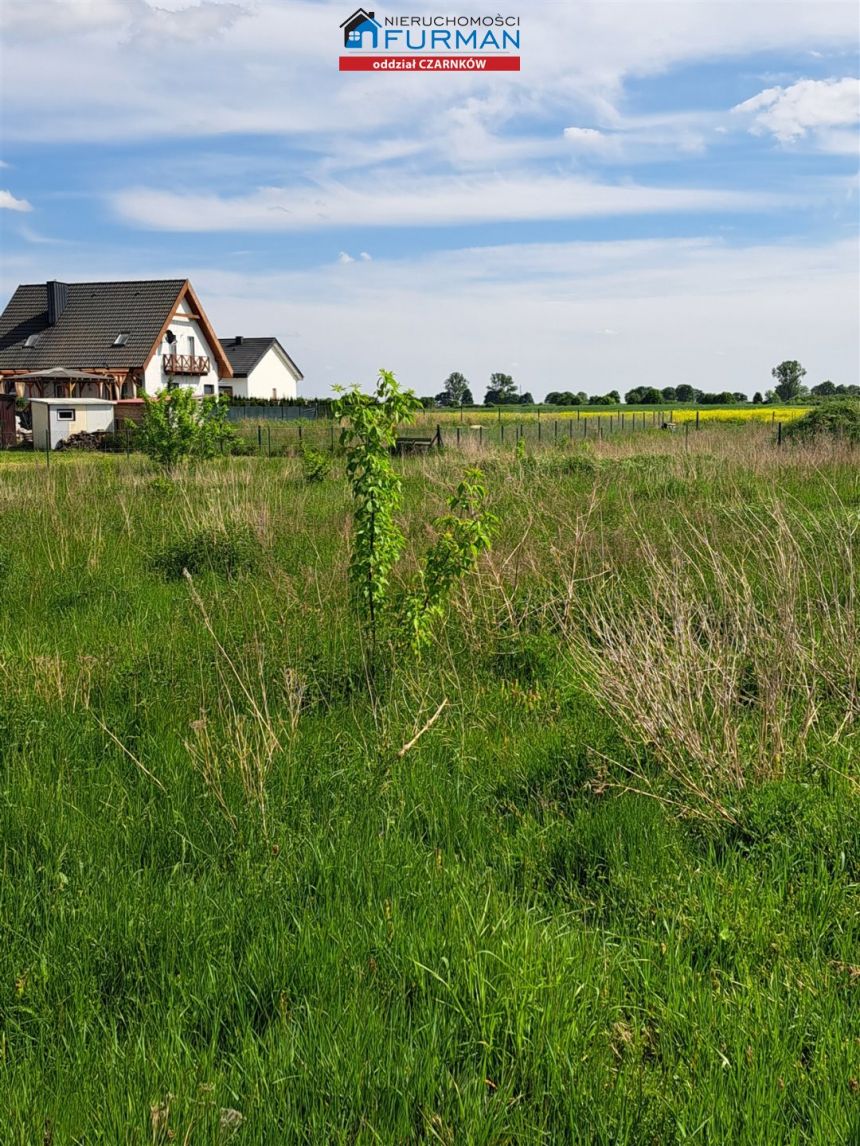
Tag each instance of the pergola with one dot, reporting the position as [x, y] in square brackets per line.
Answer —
[70, 380]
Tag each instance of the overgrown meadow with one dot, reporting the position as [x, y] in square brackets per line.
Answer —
[583, 870]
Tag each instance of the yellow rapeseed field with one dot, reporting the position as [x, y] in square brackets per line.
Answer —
[643, 417]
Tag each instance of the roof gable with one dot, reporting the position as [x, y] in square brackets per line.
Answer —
[86, 333]
[247, 353]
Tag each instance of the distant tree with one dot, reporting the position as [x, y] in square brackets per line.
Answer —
[757, 399]
[651, 396]
[560, 398]
[467, 400]
[454, 391]
[669, 394]
[634, 397]
[580, 398]
[826, 389]
[526, 399]
[739, 397]
[789, 377]
[615, 396]
[685, 393]
[502, 391]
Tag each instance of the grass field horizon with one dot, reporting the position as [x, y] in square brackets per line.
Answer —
[585, 871]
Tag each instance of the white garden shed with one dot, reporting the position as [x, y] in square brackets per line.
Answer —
[57, 418]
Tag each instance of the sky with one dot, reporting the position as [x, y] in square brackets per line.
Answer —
[666, 192]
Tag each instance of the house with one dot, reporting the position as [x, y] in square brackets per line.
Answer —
[360, 24]
[137, 336]
[261, 368]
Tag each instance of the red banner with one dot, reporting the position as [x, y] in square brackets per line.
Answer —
[462, 64]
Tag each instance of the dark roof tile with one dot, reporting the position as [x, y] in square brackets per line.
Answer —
[245, 355]
[88, 326]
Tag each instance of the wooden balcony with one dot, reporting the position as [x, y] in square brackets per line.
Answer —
[185, 363]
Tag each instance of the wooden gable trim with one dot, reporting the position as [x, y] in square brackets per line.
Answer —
[186, 290]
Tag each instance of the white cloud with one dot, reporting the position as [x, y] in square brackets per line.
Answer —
[809, 106]
[345, 258]
[659, 311]
[674, 307]
[8, 202]
[365, 257]
[587, 137]
[246, 67]
[426, 201]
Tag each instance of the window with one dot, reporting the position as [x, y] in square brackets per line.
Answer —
[355, 38]
[208, 388]
[191, 345]
[121, 339]
[65, 415]
[32, 340]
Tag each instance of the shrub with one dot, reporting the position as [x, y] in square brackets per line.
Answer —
[839, 418]
[177, 426]
[226, 551]
[315, 464]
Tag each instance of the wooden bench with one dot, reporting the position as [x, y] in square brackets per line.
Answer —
[407, 445]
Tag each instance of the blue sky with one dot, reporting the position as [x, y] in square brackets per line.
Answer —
[667, 192]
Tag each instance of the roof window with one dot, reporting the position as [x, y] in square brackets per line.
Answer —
[31, 341]
[121, 339]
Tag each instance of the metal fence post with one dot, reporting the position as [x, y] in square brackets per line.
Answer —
[697, 419]
[259, 438]
[779, 434]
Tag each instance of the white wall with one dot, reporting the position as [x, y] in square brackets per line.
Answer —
[98, 416]
[155, 379]
[272, 377]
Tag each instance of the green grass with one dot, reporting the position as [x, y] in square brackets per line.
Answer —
[490, 939]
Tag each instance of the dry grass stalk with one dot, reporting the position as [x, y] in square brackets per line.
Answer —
[245, 744]
[720, 666]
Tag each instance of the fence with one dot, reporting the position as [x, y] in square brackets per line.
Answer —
[271, 413]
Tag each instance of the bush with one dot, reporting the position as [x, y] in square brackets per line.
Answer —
[839, 418]
[315, 464]
[176, 426]
[224, 551]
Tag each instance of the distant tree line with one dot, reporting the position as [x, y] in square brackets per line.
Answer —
[503, 391]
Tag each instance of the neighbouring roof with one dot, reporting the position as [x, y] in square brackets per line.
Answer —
[86, 330]
[246, 353]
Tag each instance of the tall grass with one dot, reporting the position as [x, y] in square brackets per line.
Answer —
[244, 894]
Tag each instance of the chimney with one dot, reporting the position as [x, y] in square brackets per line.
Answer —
[58, 296]
[238, 339]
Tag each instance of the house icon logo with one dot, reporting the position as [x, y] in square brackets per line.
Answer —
[359, 25]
